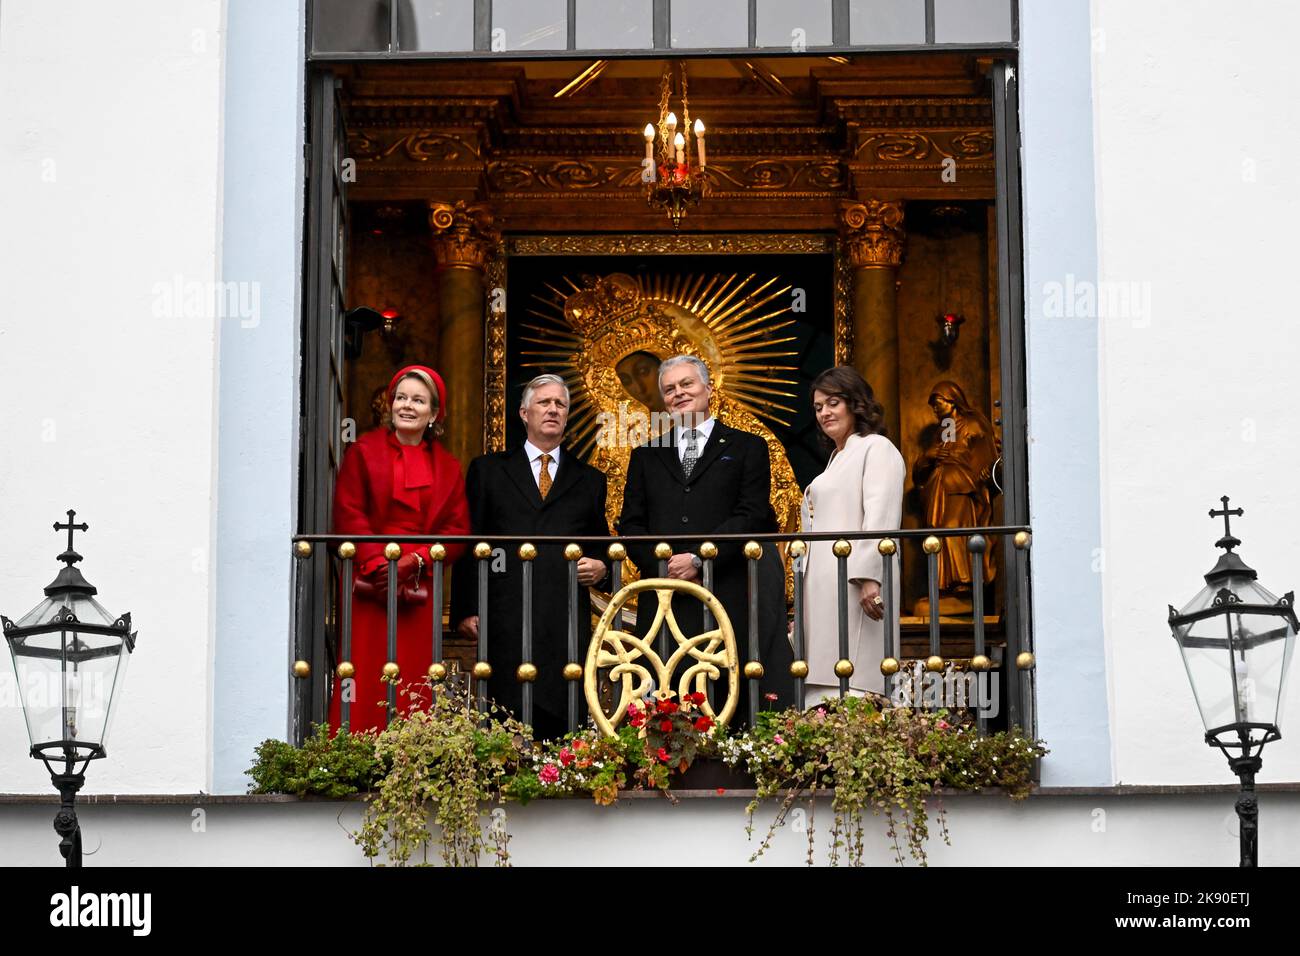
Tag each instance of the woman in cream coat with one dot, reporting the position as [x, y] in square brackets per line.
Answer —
[860, 490]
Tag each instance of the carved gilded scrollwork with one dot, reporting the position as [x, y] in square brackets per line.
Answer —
[873, 232]
[912, 146]
[843, 294]
[423, 146]
[494, 372]
[655, 244]
[464, 234]
[635, 668]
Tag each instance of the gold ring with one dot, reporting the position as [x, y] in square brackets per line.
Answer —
[877, 601]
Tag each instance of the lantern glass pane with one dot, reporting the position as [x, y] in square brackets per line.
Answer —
[67, 681]
[1237, 662]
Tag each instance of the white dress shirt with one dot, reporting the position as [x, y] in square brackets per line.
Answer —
[702, 432]
[535, 461]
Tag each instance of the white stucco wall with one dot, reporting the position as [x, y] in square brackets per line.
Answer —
[1196, 126]
[110, 184]
[1083, 830]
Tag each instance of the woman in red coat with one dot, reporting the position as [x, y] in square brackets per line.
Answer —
[397, 481]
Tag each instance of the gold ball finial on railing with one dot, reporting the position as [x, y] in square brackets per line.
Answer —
[482, 550]
[437, 671]
[572, 671]
[392, 551]
[798, 549]
[754, 670]
[1025, 660]
[887, 546]
[526, 673]
[844, 667]
[527, 551]
[753, 550]
[572, 552]
[931, 545]
[301, 669]
[616, 552]
[889, 666]
[392, 671]
[482, 670]
[708, 551]
[663, 551]
[841, 549]
[437, 553]
[302, 549]
[799, 669]
[347, 550]
[934, 664]
[345, 670]
[1022, 539]
[980, 663]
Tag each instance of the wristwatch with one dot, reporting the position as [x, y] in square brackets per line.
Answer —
[695, 560]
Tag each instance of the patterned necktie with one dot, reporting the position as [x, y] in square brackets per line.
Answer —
[692, 453]
[544, 478]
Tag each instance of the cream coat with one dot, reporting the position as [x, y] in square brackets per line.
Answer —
[860, 490]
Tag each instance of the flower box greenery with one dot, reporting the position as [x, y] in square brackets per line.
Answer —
[442, 757]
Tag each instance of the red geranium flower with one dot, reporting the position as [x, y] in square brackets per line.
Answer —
[665, 725]
[703, 722]
[566, 756]
[667, 707]
[662, 755]
[696, 698]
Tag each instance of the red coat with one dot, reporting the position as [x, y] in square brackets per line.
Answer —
[364, 503]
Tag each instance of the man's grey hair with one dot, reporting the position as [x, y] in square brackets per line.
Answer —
[527, 398]
[668, 363]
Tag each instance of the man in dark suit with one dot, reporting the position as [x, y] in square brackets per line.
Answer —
[541, 488]
[704, 478]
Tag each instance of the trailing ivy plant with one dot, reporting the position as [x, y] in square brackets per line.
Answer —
[443, 757]
[884, 760]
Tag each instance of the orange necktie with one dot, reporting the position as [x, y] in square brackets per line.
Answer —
[544, 478]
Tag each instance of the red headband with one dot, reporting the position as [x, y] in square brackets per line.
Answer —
[437, 383]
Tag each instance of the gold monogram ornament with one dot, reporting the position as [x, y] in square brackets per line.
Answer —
[635, 667]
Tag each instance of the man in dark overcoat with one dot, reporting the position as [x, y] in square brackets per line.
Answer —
[539, 488]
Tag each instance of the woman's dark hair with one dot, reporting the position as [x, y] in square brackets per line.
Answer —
[845, 382]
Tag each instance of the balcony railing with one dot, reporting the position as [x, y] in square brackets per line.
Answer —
[988, 670]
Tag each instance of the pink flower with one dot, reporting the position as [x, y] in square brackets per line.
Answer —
[821, 711]
[566, 756]
[944, 725]
[549, 774]
[778, 739]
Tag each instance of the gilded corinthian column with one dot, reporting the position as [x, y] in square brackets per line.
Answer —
[463, 237]
[872, 231]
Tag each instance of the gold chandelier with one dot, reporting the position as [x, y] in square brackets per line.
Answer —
[672, 183]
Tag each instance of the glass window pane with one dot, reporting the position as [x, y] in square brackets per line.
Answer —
[615, 25]
[435, 24]
[878, 22]
[794, 25]
[350, 26]
[972, 21]
[717, 23]
[530, 24]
